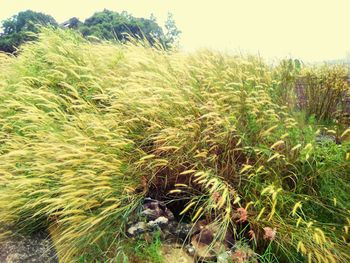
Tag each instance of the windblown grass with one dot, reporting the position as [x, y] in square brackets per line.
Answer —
[325, 88]
[87, 130]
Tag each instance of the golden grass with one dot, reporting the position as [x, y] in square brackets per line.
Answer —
[325, 88]
[84, 125]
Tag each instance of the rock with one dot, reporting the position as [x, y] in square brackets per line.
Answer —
[172, 226]
[167, 237]
[162, 221]
[137, 229]
[169, 214]
[159, 222]
[190, 250]
[158, 216]
[183, 230]
[202, 244]
[207, 248]
[153, 209]
[205, 236]
[150, 200]
[150, 214]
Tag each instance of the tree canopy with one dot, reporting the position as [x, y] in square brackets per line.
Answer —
[120, 26]
[73, 23]
[172, 32]
[16, 28]
[106, 25]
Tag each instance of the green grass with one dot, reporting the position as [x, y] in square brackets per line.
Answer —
[149, 251]
[89, 129]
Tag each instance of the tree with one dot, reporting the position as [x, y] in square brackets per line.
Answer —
[172, 32]
[72, 23]
[16, 29]
[106, 25]
[111, 25]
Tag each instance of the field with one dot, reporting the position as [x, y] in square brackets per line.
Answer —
[89, 129]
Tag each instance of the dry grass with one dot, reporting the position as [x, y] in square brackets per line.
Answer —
[325, 87]
[87, 130]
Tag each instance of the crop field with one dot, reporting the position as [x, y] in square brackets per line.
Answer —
[89, 129]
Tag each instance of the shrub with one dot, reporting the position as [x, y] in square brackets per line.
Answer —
[88, 130]
[324, 87]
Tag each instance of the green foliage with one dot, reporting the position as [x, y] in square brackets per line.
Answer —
[286, 74]
[109, 25]
[172, 32]
[73, 23]
[105, 25]
[82, 125]
[149, 251]
[16, 29]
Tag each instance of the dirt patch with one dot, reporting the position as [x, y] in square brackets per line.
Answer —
[36, 248]
[175, 254]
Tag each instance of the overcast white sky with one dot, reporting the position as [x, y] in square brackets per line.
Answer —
[312, 30]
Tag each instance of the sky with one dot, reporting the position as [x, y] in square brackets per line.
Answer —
[312, 30]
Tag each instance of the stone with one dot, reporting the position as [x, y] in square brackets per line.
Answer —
[150, 214]
[169, 214]
[137, 229]
[152, 209]
[162, 221]
[159, 222]
[172, 227]
[205, 245]
[184, 231]
[190, 250]
[201, 243]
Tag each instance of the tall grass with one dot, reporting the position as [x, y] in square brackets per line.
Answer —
[88, 130]
[325, 86]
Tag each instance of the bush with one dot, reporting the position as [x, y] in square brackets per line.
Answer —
[88, 130]
[324, 87]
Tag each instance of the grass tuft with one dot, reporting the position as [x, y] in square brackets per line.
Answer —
[89, 129]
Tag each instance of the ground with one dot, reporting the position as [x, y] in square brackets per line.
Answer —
[36, 248]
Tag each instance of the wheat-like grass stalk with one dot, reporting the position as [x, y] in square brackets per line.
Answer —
[89, 129]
